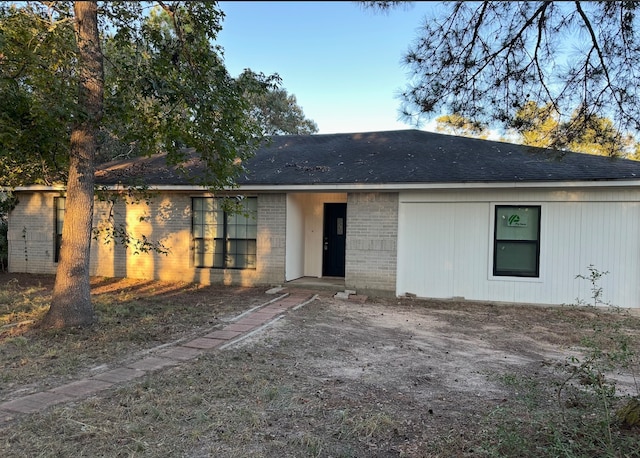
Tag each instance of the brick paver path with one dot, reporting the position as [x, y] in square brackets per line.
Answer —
[242, 326]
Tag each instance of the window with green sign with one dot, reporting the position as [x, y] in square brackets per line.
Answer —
[516, 250]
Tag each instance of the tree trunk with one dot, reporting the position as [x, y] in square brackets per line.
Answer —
[71, 301]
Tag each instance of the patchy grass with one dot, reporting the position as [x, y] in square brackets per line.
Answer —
[134, 316]
[522, 429]
[20, 307]
[389, 378]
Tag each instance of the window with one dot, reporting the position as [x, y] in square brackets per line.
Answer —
[224, 239]
[516, 250]
[58, 204]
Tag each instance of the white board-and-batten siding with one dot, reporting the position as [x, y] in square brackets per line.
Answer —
[445, 245]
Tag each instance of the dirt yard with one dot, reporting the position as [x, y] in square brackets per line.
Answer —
[388, 377]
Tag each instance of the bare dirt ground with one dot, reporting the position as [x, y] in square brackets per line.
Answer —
[389, 377]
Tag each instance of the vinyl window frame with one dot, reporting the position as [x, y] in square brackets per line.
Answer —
[223, 239]
[515, 244]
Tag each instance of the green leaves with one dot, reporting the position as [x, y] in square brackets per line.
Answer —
[37, 87]
[456, 124]
[541, 126]
[278, 113]
[166, 89]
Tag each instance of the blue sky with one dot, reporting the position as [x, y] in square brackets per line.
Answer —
[342, 62]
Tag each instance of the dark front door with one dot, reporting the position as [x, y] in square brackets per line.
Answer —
[335, 233]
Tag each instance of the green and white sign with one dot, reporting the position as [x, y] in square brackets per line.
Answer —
[519, 219]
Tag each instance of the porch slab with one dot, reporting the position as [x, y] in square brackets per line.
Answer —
[317, 283]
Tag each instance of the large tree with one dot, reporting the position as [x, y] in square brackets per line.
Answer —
[456, 124]
[275, 111]
[537, 125]
[541, 126]
[485, 60]
[72, 73]
[71, 300]
[279, 114]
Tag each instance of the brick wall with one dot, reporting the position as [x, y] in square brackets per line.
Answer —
[167, 218]
[31, 234]
[372, 232]
[272, 223]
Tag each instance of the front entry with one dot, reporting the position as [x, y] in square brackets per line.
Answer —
[334, 240]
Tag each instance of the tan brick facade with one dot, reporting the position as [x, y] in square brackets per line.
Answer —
[371, 245]
[167, 219]
[372, 234]
[31, 234]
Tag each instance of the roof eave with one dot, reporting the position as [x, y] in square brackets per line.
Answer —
[365, 187]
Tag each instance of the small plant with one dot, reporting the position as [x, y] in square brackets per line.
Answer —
[593, 278]
[608, 348]
[587, 422]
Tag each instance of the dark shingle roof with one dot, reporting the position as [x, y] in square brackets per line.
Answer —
[394, 157]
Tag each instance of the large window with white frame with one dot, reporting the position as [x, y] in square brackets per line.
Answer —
[222, 238]
[516, 250]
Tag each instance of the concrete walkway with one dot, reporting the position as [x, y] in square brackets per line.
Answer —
[239, 328]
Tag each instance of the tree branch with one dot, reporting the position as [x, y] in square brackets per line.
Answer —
[541, 23]
[513, 41]
[594, 42]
